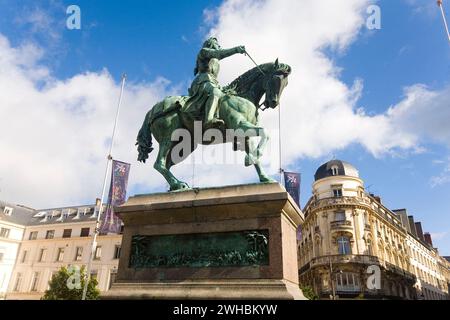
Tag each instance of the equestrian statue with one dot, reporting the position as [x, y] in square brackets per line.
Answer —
[233, 107]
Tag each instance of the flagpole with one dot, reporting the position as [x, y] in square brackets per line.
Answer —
[441, 5]
[279, 144]
[100, 210]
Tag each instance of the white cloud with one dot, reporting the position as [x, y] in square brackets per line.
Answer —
[438, 235]
[40, 21]
[443, 177]
[319, 111]
[423, 6]
[55, 132]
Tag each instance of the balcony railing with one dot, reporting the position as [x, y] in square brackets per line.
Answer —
[348, 258]
[340, 224]
[361, 259]
[339, 201]
[393, 268]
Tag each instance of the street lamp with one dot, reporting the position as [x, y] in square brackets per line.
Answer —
[333, 293]
[333, 289]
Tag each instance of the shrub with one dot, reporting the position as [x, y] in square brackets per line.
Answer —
[68, 284]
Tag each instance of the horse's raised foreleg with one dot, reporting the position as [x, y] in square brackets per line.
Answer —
[161, 166]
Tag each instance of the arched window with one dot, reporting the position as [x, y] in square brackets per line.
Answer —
[407, 293]
[394, 289]
[400, 291]
[317, 248]
[344, 245]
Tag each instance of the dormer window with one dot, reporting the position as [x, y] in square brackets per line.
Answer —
[8, 211]
[47, 217]
[335, 170]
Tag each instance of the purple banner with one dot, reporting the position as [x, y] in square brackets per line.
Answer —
[292, 185]
[117, 196]
[299, 233]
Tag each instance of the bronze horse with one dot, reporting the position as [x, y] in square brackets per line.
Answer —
[238, 109]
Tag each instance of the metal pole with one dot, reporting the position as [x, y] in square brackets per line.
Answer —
[193, 169]
[100, 210]
[279, 121]
[333, 292]
[279, 144]
[441, 5]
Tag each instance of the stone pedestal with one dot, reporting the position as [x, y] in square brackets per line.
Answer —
[235, 242]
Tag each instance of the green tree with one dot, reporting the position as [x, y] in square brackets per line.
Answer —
[309, 293]
[68, 284]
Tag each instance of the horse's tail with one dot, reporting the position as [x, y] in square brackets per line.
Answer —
[161, 109]
[144, 138]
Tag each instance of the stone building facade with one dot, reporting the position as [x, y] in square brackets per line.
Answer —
[52, 238]
[352, 246]
[12, 219]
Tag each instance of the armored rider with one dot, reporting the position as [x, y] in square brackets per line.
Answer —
[205, 85]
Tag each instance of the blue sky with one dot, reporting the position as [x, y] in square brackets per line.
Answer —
[154, 40]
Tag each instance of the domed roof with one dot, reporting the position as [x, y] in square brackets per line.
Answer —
[336, 168]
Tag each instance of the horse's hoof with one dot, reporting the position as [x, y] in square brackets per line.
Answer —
[184, 185]
[267, 180]
[180, 187]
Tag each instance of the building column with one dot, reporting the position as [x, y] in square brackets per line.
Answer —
[356, 226]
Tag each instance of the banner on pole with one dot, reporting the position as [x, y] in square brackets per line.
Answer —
[117, 196]
[299, 233]
[292, 185]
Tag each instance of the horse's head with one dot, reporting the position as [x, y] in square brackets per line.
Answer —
[276, 81]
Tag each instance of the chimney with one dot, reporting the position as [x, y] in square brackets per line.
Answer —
[403, 218]
[412, 226]
[419, 231]
[377, 198]
[427, 237]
